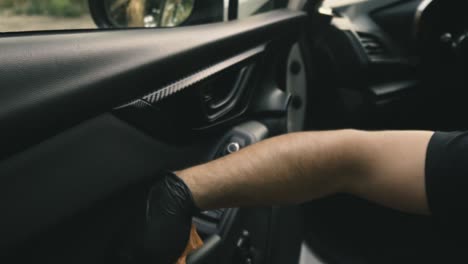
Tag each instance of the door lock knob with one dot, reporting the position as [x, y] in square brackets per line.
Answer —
[232, 147]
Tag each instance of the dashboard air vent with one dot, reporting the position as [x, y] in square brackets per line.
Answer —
[372, 45]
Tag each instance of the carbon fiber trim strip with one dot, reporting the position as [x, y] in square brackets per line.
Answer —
[186, 82]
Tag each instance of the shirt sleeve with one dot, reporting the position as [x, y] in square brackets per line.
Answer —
[447, 175]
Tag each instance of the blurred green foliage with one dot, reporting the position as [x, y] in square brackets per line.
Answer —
[59, 8]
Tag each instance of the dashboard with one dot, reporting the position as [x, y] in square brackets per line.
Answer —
[386, 65]
[378, 59]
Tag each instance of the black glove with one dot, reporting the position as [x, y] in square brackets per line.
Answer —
[169, 211]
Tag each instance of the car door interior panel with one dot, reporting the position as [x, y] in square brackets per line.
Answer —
[51, 80]
[88, 118]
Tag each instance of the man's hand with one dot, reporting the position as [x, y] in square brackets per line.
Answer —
[169, 212]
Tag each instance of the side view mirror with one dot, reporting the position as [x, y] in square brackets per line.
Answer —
[155, 13]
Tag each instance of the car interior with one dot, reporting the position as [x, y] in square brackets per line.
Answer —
[89, 117]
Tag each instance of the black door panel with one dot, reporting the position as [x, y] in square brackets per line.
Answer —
[52, 81]
[73, 168]
[71, 172]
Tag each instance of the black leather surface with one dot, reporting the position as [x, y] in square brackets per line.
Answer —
[73, 171]
[50, 81]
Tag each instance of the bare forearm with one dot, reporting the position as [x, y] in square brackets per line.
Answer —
[304, 166]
